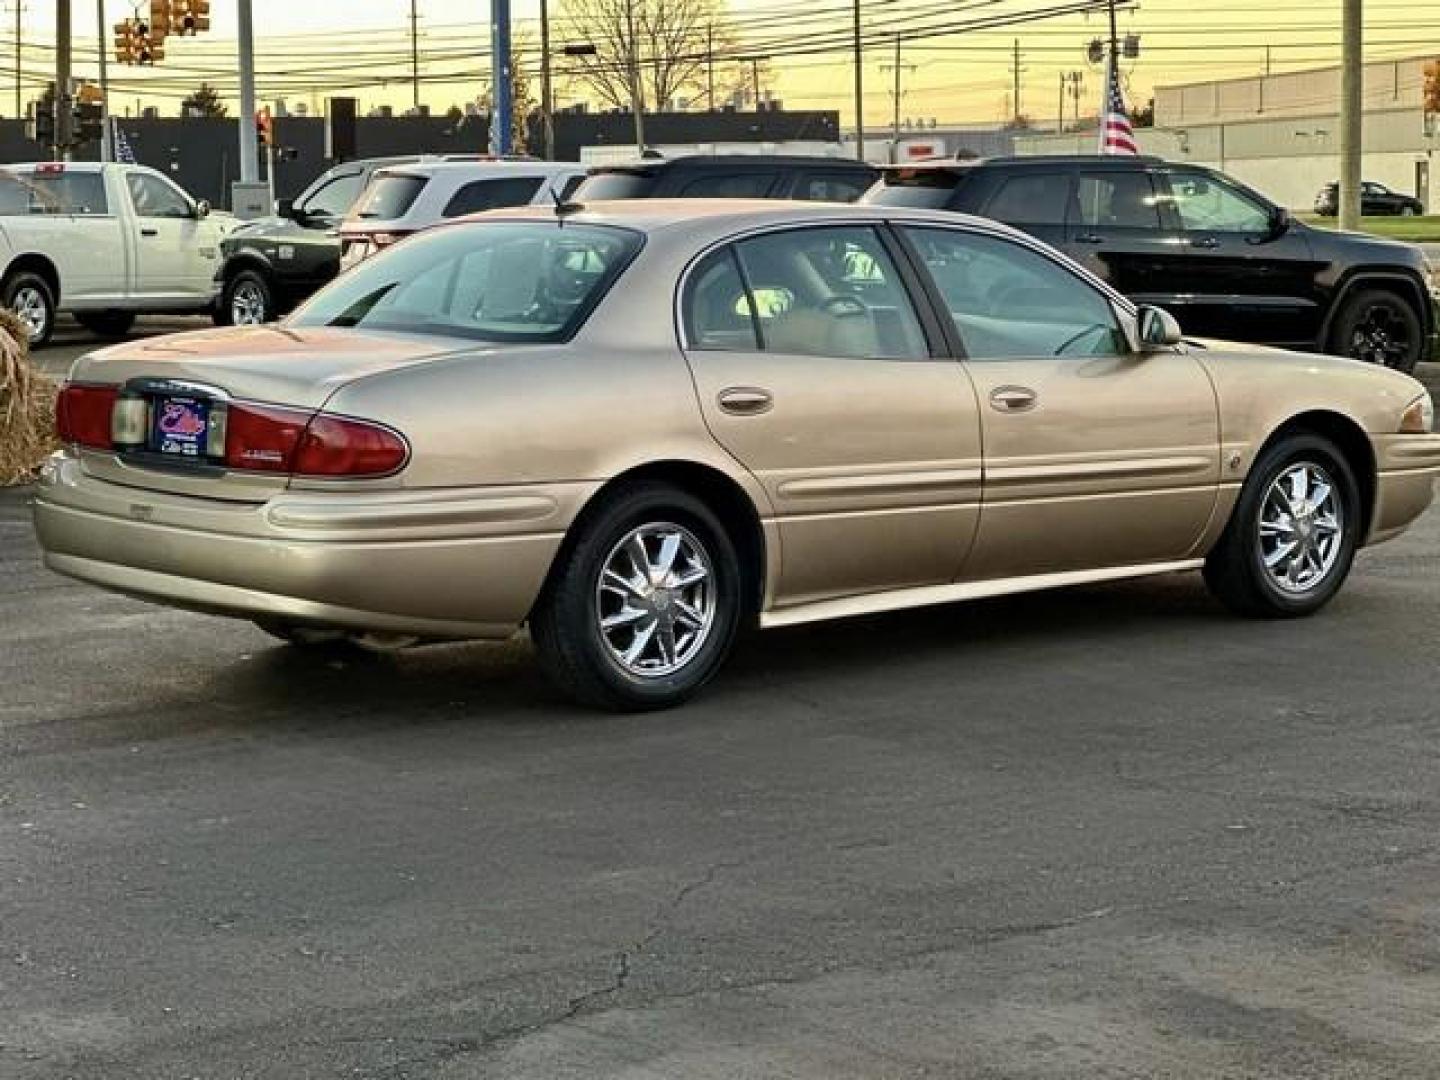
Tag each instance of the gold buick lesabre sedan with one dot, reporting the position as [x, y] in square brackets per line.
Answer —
[639, 427]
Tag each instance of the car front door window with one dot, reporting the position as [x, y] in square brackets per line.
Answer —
[331, 201]
[1204, 204]
[154, 197]
[1008, 301]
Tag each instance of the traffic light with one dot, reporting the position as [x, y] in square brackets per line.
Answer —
[265, 127]
[40, 125]
[124, 42]
[1432, 86]
[189, 16]
[160, 18]
[89, 112]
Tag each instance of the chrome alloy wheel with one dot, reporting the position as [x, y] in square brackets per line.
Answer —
[1302, 528]
[656, 601]
[247, 304]
[29, 304]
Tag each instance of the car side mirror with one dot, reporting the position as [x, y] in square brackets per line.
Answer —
[285, 208]
[202, 209]
[1158, 329]
[1279, 222]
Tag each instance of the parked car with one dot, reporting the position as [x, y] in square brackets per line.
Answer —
[641, 427]
[269, 266]
[1219, 256]
[404, 199]
[104, 242]
[1376, 200]
[731, 176]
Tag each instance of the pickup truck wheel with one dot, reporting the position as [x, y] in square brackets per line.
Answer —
[106, 324]
[29, 296]
[1379, 327]
[247, 301]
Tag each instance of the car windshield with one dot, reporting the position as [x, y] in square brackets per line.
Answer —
[928, 189]
[614, 185]
[523, 281]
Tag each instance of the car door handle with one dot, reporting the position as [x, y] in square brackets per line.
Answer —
[1209, 243]
[1089, 238]
[149, 232]
[745, 400]
[1013, 398]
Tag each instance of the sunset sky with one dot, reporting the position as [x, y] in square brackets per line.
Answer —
[306, 51]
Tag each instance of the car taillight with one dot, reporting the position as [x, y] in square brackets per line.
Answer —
[340, 446]
[82, 415]
[270, 438]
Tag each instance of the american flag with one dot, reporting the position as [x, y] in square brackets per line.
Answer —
[123, 154]
[1116, 134]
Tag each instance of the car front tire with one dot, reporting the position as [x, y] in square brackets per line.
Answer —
[29, 296]
[643, 604]
[248, 300]
[1292, 537]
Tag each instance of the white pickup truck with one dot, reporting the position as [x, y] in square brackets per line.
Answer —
[104, 242]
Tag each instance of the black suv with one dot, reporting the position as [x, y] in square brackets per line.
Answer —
[730, 176]
[1376, 200]
[1226, 261]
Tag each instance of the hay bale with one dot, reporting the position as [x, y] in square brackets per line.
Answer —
[27, 406]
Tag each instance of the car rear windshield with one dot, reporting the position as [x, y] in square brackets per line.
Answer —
[520, 281]
[389, 196]
[614, 185]
[33, 192]
[929, 189]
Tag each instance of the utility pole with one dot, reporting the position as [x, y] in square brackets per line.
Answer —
[859, 88]
[501, 119]
[1060, 116]
[896, 93]
[64, 118]
[710, 66]
[249, 150]
[1351, 104]
[415, 52]
[107, 150]
[19, 33]
[1015, 73]
[637, 101]
[755, 80]
[547, 97]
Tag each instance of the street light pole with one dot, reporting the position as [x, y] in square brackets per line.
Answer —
[249, 150]
[1351, 106]
[415, 53]
[859, 87]
[63, 119]
[500, 121]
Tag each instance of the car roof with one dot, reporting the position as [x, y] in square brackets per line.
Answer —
[435, 167]
[1028, 161]
[729, 161]
[656, 215]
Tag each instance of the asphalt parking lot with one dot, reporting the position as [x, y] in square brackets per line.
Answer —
[1110, 832]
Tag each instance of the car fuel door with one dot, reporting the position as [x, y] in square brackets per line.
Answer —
[815, 372]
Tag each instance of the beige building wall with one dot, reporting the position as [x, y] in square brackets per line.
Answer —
[1389, 84]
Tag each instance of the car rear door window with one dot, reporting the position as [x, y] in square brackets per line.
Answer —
[746, 185]
[1008, 301]
[1031, 199]
[491, 194]
[79, 193]
[1116, 199]
[718, 310]
[830, 291]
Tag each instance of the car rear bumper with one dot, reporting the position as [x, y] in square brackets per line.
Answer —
[468, 566]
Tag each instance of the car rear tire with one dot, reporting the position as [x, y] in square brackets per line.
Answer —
[1379, 327]
[1291, 539]
[30, 297]
[643, 603]
[247, 300]
[106, 324]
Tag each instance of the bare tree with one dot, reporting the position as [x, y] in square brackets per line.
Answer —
[651, 51]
